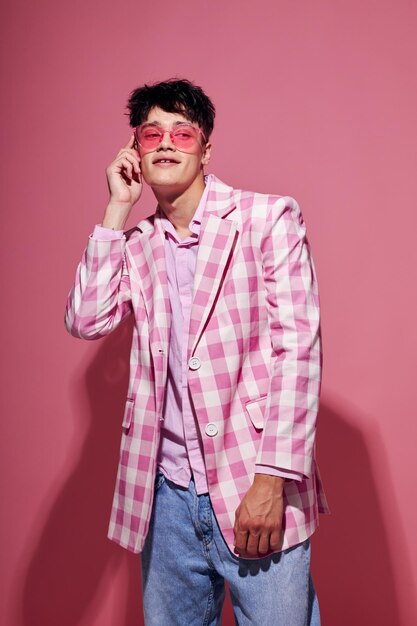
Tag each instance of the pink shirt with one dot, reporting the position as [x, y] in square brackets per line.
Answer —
[181, 451]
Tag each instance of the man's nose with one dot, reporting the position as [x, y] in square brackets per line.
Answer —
[166, 142]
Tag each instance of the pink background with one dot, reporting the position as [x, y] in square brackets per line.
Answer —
[315, 99]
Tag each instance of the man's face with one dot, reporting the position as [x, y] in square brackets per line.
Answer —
[166, 166]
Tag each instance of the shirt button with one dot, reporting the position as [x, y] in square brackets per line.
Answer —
[194, 363]
[211, 430]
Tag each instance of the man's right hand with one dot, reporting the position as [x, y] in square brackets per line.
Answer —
[125, 186]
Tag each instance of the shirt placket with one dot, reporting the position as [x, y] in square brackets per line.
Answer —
[185, 269]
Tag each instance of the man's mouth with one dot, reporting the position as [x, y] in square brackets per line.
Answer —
[165, 162]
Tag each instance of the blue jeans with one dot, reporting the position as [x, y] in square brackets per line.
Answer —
[186, 562]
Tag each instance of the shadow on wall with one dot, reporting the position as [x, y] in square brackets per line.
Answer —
[352, 563]
[74, 561]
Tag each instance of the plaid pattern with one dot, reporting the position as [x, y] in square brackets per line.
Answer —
[255, 327]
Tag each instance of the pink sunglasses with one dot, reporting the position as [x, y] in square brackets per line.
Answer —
[184, 136]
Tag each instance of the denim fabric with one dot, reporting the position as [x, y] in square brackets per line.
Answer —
[186, 562]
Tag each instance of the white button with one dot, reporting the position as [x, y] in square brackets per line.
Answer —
[194, 363]
[211, 430]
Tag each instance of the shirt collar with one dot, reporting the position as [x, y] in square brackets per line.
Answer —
[195, 223]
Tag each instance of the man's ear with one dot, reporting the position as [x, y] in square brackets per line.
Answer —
[205, 159]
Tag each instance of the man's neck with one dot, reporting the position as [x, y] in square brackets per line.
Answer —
[180, 205]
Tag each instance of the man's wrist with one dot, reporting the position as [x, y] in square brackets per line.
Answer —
[274, 482]
[115, 215]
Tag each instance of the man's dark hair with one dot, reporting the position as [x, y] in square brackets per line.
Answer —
[173, 96]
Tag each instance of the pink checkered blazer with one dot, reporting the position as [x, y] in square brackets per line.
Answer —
[254, 342]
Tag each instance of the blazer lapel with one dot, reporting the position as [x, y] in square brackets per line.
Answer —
[149, 262]
[218, 235]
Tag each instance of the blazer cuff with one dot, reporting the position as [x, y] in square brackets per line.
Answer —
[277, 471]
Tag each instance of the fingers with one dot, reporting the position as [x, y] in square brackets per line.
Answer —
[129, 148]
[128, 151]
[241, 539]
[128, 163]
[275, 539]
[251, 545]
[254, 539]
[265, 544]
[131, 141]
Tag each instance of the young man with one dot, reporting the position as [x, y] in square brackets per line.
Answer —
[217, 477]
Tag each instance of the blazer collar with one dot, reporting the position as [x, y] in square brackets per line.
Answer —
[220, 200]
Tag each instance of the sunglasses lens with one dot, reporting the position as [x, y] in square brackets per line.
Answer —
[149, 137]
[185, 137]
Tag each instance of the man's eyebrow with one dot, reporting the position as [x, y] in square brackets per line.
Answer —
[158, 123]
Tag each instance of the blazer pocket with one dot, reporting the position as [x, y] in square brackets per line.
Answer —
[256, 411]
[128, 414]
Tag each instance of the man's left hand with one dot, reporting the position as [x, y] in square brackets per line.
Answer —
[258, 518]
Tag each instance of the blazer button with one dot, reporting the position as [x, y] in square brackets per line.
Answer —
[194, 363]
[211, 430]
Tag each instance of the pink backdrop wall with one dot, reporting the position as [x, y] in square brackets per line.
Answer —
[316, 100]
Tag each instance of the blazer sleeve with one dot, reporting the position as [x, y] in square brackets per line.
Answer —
[292, 301]
[101, 296]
